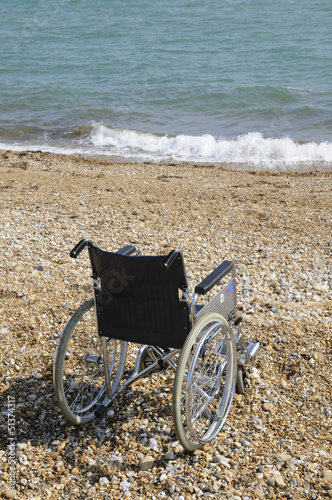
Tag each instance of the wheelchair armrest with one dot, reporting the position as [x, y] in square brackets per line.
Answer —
[214, 277]
[79, 247]
[127, 250]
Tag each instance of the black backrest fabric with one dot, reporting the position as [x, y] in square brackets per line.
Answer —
[139, 299]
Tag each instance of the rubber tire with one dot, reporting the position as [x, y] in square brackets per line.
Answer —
[199, 335]
[241, 380]
[84, 338]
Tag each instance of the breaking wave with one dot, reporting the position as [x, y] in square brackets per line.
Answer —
[251, 149]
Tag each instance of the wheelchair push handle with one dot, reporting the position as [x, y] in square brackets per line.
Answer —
[79, 247]
[171, 258]
[214, 278]
[87, 242]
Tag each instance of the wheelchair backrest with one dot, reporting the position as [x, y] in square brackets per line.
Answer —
[138, 298]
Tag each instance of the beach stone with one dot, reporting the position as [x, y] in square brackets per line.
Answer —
[124, 485]
[116, 462]
[327, 475]
[32, 397]
[104, 481]
[295, 461]
[321, 288]
[75, 471]
[254, 373]
[279, 480]
[152, 443]
[257, 421]
[146, 463]
[267, 407]
[283, 457]
[222, 461]
[8, 494]
[258, 491]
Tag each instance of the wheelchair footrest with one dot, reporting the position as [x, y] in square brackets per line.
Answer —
[99, 412]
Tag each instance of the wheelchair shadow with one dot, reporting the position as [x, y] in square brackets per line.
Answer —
[29, 409]
[30, 414]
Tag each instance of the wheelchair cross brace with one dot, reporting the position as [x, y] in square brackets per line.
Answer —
[137, 373]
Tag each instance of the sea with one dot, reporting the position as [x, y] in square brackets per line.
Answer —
[246, 83]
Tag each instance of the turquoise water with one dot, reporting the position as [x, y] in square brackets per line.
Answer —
[226, 81]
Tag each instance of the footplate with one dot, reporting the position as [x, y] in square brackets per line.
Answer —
[92, 358]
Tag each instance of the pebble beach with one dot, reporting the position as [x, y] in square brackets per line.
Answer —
[275, 226]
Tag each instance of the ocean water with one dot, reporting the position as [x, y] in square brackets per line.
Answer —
[227, 81]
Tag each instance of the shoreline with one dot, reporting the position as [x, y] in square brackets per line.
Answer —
[264, 165]
[275, 226]
[292, 168]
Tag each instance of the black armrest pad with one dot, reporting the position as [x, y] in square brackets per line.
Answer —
[213, 278]
[127, 250]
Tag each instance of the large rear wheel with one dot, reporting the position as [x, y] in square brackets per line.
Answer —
[79, 376]
[204, 382]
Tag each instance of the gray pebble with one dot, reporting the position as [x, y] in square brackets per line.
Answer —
[257, 421]
[116, 462]
[259, 491]
[124, 485]
[152, 443]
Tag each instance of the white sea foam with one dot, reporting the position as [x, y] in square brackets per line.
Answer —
[251, 148]
[298, 89]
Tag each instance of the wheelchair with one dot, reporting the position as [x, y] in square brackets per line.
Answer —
[145, 300]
